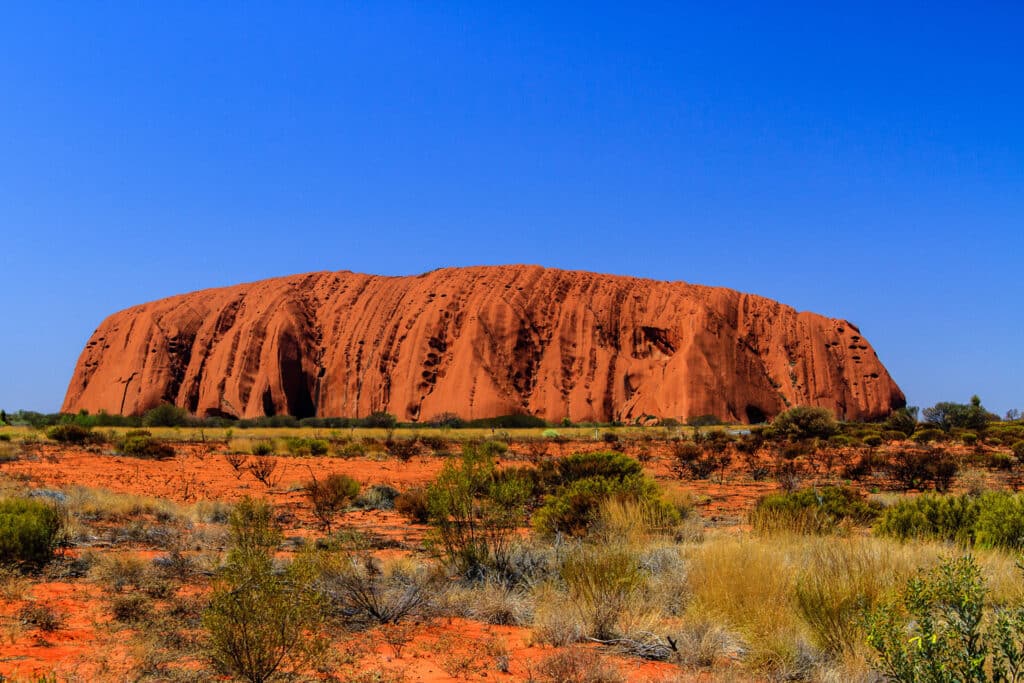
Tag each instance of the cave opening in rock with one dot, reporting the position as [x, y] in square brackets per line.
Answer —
[755, 415]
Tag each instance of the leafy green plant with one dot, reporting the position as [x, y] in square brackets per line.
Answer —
[933, 630]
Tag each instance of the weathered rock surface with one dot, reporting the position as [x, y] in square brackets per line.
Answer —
[478, 342]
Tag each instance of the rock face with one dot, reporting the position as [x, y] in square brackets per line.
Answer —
[478, 342]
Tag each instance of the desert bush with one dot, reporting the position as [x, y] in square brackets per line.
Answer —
[578, 665]
[352, 449]
[1018, 450]
[601, 582]
[604, 464]
[992, 520]
[928, 435]
[575, 508]
[918, 469]
[413, 504]
[118, 572]
[404, 449]
[377, 497]
[690, 460]
[475, 513]
[902, 421]
[805, 422]
[492, 602]
[873, 440]
[260, 620]
[131, 608]
[264, 469]
[165, 415]
[360, 588]
[30, 530]
[947, 518]
[813, 510]
[141, 445]
[331, 496]
[44, 617]
[301, 446]
[934, 630]
[262, 447]
[71, 433]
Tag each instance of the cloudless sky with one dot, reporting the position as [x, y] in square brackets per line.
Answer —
[863, 161]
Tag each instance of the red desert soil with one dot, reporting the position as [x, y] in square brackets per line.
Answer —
[89, 647]
[478, 342]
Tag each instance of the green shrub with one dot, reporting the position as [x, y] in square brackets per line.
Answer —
[903, 421]
[70, 433]
[353, 449]
[475, 514]
[873, 440]
[1000, 522]
[261, 619]
[1018, 450]
[575, 508]
[605, 464]
[137, 445]
[813, 510]
[165, 415]
[263, 447]
[29, 532]
[946, 518]
[928, 435]
[992, 520]
[805, 422]
[300, 446]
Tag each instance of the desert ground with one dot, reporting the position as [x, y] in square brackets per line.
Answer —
[686, 574]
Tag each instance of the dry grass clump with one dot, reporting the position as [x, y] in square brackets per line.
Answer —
[95, 504]
[578, 665]
[492, 602]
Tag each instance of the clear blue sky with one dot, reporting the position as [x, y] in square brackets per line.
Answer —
[863, 162]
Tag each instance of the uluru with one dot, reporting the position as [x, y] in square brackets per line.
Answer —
[479, 342]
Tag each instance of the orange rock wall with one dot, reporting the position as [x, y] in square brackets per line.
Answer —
[478, 342]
